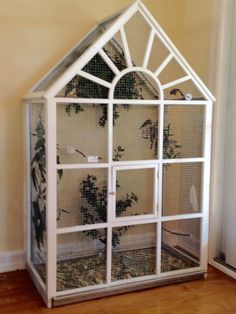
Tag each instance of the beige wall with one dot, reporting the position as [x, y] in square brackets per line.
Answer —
[34, 35]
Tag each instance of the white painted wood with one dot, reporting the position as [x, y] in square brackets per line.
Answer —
[81, 228]
[12, 260]
[163, 64]
[148, 48]
[32, 96]
[176, 82]
[177, 273]
[80, 100]
[51, 197]
[94, 79]
[40, 285]
[126, 48]
[82, 166]
[182, 216]
[108, 61]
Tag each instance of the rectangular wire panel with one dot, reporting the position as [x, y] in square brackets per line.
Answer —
[81, 259]
[182, 188]
[82, 197]
[134, 192]
[80, 87]
[158, 54]
[135, 132]
[137, 33]
[180, 247]
[183, 91]
[133, 251]
[184, 131]
[69, 60]
[38, 188]
[82, 133]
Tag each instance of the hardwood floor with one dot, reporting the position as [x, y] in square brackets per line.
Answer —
[214, 295]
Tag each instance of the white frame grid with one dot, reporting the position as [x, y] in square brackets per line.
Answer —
[49, 97]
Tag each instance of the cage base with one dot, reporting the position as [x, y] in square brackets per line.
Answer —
[131, 287]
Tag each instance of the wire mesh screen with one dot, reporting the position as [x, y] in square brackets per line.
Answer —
[82, 133]
[158, 54]
[134, 192]
[81, 259]
[137, 47]
[136, 85]
[180, 244]
[69, 60]
[171, 72]
[82, 197]
[135, 132]
[183, 91]
[182, 188]
[80, 87]
[38, 188]
[184, 131]
[99, 68]
[133, 251]
[115, 51]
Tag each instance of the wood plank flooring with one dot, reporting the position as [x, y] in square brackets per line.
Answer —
[214, 295]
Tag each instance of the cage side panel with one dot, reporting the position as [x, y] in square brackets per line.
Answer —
[182, 188]
[38, 188]
[184, 131]
[81, 259]
[180, 244]
[82, 197]
[82, 133]
[133, 251]
[135, 132]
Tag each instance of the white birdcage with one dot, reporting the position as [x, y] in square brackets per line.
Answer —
[118, 165]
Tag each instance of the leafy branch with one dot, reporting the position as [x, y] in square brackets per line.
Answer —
[171, 148]
[96, 209]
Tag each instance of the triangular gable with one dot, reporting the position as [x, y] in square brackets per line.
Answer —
[120, 32]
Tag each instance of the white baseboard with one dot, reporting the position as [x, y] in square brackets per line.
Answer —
[12, 260]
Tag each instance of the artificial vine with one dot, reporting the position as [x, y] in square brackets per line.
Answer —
[38, 176]
[171, 148]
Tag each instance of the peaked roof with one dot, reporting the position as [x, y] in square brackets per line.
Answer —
[93, 43]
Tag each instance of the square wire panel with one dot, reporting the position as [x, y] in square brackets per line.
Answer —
[135, 132]
[38, 188]
[81, 259]
[134, 192]
[82, 197]
[184, 131]
[82, 133]
[182, 188]
[133, 251]
[180, 248]
[137, 33]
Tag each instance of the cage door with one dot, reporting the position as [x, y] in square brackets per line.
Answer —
[135, 190]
